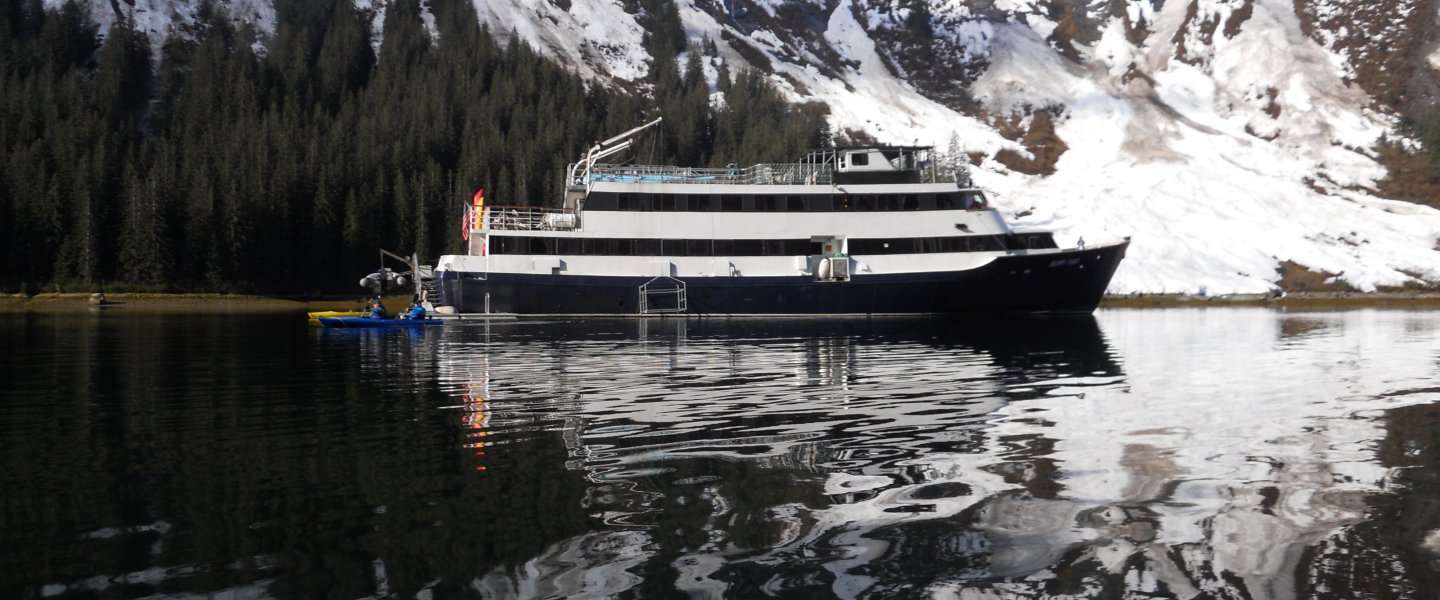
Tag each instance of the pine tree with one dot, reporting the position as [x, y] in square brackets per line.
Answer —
[228, 169]
[144, 251]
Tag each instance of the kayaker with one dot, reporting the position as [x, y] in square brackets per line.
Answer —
[377, 309]
[416, 312]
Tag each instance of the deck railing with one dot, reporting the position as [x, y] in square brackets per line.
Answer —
[530, 218]
[762, 174]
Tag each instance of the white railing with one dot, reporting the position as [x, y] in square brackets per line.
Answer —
[530, 218]
[762, 174]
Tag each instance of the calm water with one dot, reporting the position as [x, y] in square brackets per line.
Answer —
[1138, 454]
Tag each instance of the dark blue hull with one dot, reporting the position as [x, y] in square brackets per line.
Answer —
[1071, 281]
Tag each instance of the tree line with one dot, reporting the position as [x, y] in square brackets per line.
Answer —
[215, 160]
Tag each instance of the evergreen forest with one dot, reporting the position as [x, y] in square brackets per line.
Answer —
[217, 159]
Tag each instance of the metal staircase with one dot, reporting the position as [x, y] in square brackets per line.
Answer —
[428, 284]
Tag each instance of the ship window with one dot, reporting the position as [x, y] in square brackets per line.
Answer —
[1043, 240]
[926, 202]
[865, 246]
[542, 245]
[724, 247]
[819, 203]
[623, 247]
[625, 201]
[859, 159]
[766, 203]
[865, 202]
[588, 246]
[673, 248]
[889, 202]
[747, 203]
[730, 203]
[501, 244]
[665, 202]
[703, 203]
[646, 247]
[795, 204]
[749, 248]
[569, 245]
[910, 202]
[600, 201]
[697, 247]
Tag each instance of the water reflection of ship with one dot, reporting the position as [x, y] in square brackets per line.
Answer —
[476, 416]
[792, 369]
[862, 367]
[1170, 510]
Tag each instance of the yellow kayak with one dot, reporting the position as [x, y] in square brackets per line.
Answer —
[336, 313]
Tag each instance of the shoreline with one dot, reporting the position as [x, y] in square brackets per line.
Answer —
[1295, 300]
[190, 303]
[208, 303]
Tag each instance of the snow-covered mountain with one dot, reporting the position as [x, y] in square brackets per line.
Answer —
[1228, 137]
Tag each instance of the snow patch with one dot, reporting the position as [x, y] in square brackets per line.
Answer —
[427, 17]
[158, 18]
[596, 37]
[376, 10]
[868, 98]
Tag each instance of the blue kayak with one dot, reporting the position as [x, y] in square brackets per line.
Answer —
[369, 322]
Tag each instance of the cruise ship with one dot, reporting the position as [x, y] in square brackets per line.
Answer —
[866, 230]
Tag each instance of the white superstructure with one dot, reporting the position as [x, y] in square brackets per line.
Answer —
[846, 218]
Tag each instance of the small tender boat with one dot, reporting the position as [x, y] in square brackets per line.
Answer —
[336, 313]
[357, 322]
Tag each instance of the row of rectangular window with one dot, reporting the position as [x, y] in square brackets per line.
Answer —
[650, 247]
[783, 202]
[573, 246]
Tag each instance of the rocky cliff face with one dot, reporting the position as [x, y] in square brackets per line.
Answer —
[1237, 141]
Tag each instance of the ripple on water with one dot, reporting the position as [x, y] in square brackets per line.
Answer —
[1155, 452]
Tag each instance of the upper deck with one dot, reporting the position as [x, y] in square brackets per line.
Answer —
[859, 165]
[761, 174]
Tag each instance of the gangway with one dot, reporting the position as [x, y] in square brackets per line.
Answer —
[668, 291]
